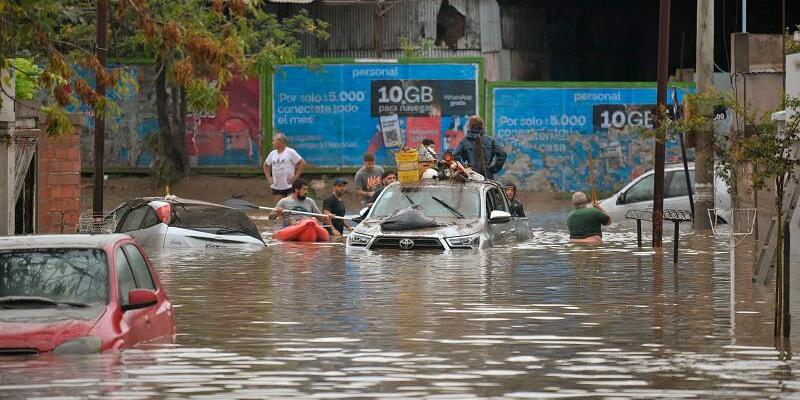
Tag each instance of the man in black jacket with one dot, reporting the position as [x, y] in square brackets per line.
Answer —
[517, 210]
[479, 151]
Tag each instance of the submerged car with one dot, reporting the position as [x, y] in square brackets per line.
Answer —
[78, 294]
[638, 194]
[174, 222]
[468, 214]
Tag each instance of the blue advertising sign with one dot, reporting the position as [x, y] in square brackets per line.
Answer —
[334, 113]
[548, 131]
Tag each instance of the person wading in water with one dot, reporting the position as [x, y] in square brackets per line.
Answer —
[585, 223]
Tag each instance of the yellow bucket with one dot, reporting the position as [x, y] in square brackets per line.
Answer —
[407, 165]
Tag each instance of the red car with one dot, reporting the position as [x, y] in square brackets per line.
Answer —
[71, 294]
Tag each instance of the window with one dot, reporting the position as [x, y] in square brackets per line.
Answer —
[641, 191]
[677, 184]
[140, 270]
[62, 275]
[150, 218]
[495, 200]
[133, 220]
[124, 276]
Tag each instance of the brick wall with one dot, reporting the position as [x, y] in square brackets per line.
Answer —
[59, 183]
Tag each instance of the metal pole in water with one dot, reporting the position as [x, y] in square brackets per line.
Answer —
[639, 232]
[787, 315]
[675, 245]
[733, 284]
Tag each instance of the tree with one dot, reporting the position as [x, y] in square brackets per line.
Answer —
[197, 45]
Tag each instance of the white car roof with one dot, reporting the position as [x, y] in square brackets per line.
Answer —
[60, 241]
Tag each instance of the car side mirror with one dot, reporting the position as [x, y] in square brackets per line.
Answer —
[140, 298]
[621, 198]
[363, 212]
[499, 217]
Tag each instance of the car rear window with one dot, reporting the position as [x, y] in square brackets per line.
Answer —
[212, 218]
[61, 275]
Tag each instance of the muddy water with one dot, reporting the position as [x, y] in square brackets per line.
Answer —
[542, 319]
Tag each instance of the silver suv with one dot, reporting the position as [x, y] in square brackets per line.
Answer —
[470, 215]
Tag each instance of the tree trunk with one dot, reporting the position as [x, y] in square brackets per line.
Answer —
[182, 114]
[171, 152]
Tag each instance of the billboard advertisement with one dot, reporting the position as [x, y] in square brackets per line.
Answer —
[549, 131]
[334, 113]
[232, 135]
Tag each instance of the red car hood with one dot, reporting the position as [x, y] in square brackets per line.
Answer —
[45, 328]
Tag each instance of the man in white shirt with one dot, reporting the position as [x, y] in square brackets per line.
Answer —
[282, 167]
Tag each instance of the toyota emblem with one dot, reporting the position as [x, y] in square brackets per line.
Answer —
[406, 244]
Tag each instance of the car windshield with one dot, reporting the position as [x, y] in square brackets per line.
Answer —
[436, 201]
[213, 219]
[78, 276]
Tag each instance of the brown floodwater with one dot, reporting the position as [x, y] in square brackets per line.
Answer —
[541, 319]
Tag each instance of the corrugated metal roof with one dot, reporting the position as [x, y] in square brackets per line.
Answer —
[392, 54]
[351, 25]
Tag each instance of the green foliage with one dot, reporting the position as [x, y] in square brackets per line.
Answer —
[202, 43]
[412, 49]
[792, 45]
[26, 75]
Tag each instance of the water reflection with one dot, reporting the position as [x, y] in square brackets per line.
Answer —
[542, 319]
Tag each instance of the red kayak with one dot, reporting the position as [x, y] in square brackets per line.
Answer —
[306, 230]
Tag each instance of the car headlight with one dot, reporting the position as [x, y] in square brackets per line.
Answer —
[358, 239]
[465, 242]
[83, 345]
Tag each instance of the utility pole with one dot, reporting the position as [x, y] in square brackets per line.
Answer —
[99, 118]
[661, 94]
[704, 80]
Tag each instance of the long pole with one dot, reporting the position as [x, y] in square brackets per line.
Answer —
[663, 70]
[703, 200]
[786, 311]
[99, 120]
[744, 15]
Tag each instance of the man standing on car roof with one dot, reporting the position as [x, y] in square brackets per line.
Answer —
[296, 202]
[585, 223]
[282, 167]
[334, 205]
[517, 210]
[479, 151]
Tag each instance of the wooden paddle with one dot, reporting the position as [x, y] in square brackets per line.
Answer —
[591, 174]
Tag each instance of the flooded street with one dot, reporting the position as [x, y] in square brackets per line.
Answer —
[542, 319]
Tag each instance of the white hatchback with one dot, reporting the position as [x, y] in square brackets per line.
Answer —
[174, 222]
[638, 194]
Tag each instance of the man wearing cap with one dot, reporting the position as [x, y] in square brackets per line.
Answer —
[334, 205]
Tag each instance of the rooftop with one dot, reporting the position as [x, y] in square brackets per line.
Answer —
[59, 241]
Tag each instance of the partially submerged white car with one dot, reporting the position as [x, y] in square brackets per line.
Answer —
[638, 194]
[174, 222]
[469, 215]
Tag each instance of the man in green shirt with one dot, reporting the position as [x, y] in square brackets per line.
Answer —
[585, 223]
